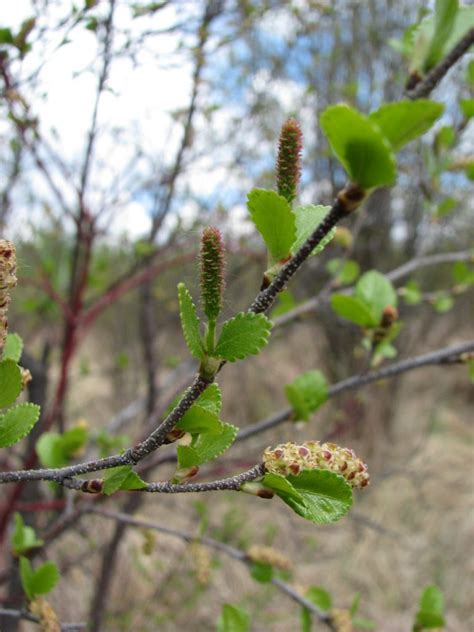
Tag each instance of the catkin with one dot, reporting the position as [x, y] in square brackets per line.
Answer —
[7, 282]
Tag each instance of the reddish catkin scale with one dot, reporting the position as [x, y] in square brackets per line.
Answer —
[288, 166]
[290, 458]
[212, 272]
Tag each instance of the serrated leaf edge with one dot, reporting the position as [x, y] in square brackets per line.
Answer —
[264, 339]
[28, 430]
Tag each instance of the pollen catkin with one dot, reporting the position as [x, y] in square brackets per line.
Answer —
[201, 561]
[288, 166]
[269, 555]
[341, 620]
[212, 272]
[48, 619]
[7, 282]
[291, 458]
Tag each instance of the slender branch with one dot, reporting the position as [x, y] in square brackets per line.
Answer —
[429, 83]
[27, 616]
[228, 550]
[314, 303]
[64, 475]
[441, 356]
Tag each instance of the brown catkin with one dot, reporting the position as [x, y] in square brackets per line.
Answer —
[48, 619]
[7, 282]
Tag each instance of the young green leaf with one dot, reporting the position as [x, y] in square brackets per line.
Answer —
[13, 348]
[353, 309]
[445, 18]
[320, 597]
[376, 291]
[467, 107]
[307, 219]
[274, 220]
[443, 303]
[245, 334]
[206, 447]
[360, 146]
[23, 537]
[211, 399]
[344, 272]
[404, 121]
[190, 322]
[121, 478]
[233, 619]
[431, 610]
[10, 382]
[198, 419]
[319, 496]
[307, 393]
[40, 581]
[412, 293]
[56, 450]
[261, 572]
[17, 422]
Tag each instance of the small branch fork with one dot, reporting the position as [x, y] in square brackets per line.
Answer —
[228, 550]
[64, 475]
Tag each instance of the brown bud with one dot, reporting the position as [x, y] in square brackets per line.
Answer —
[94, 486]
[389, 316]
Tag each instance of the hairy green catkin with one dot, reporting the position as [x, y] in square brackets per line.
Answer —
[212, 272]
[288, 166]
[7, 282]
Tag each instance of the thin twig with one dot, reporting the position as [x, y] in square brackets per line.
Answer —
[429, 83]
[228, 550]
[27, 616]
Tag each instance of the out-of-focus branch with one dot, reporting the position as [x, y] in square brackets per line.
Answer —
[314, 303]
[429, 83]
[222, 547]
[27, 616]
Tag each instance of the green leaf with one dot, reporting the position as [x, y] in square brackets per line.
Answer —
[198, 419]
[56, 450]
[245, 334]
[23, 537]
[233, 619]
[404, 121]
[431, 609]
[307, 219]
[307, 393]
[40, 581]
[355, 604]
[470, 72]
[261, 572]
[320, 597]
[13, 348]
[343, 271]
[17, 422]
[470, 367]
[274, 220]
[445, 18]
[320, 496]
[467, 107]
[412, 293]
[364, 624]
[306, 620]
[443, 303]
[211, 399]
[190, 322]
[462, 273]
[446, 206]
[353, 309]
[10, 382]
[376, 291]
[123, 477]
[206, 447]
[360, 146]
[6, 36]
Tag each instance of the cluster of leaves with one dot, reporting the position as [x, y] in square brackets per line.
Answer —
[35, 582]
[16, 420]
